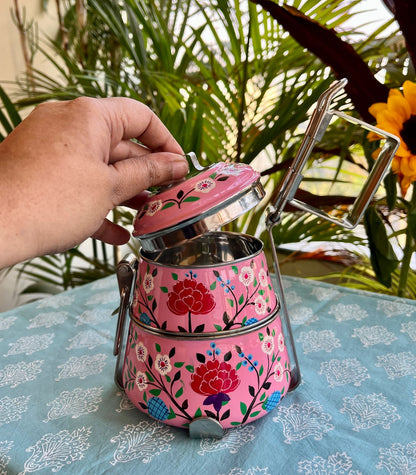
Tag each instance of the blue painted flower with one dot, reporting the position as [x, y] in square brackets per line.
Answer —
[157, 409]
[272, 401]
[144, 318]
[250, 321]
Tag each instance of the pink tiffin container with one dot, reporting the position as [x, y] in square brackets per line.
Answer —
[207, 344]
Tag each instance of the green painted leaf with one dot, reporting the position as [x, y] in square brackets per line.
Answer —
[149, 377]
[174, 276]
[155, 392]
[191, 198]
[168, 205]
[157, 346]
[254, 414]
[179, 393]
[164, 290]
[234, 269]
[230, 302]
[241, 299]
[178, 364]
[190, 368]
[213, 285]
[243, 408]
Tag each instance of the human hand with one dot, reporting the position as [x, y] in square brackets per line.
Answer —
[68, 164]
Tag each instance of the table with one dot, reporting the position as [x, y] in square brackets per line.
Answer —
[354, 412]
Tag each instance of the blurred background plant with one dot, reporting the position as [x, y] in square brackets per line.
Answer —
[233, 81]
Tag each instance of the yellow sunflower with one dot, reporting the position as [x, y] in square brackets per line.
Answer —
[398, 116]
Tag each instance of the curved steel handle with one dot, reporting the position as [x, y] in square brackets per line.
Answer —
[126, 270]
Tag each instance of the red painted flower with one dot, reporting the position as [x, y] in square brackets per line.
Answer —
[214, 377]
[190, 296]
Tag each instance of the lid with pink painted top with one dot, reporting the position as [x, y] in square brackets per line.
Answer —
[202, 203]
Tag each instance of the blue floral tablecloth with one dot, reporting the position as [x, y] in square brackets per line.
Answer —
[354, 412]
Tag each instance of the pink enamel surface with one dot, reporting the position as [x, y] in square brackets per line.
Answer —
[193, 197]
[233, 380]
[203, 299]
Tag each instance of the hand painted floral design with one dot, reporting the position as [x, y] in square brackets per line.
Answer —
[246, 276]
[162, 364]
[143, 299]
[252, 295]
[141, 352]
[267, 345]
[148, 283]
[273, 369]
[263, 278]
[205, 186]
[278, 372]
[260, 306]
[215, 380]
[141, 381]
[184, 195]
[188, 297]
[166, 384]
[153, 207]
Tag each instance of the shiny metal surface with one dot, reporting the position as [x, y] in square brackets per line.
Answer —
[126, 271]
[184, 336]
[209, 250]
[212, 220]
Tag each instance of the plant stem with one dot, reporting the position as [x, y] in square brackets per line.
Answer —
[409, 248]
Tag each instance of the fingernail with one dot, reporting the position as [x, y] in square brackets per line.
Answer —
[180, 167]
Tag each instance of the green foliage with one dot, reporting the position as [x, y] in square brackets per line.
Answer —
[224, 77]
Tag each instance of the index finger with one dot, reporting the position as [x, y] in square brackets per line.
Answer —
[130, 119]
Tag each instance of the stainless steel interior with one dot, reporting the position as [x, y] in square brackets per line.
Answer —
[211, 249]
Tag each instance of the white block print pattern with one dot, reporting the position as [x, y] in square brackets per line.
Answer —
[142, 442]
[27, 345]
[302, 421]
[374, 335]
[232, 442]
[343, 312]
[54, 451]
[324, 340]
[340, 372]
[14, 374]
[398, 365]
[75, 403]
[335, 464]
[368, 411]
[398, 459]
[82, 367]
[12, 408]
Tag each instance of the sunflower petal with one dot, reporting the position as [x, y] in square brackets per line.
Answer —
[409, 91]
[376, 108]
[399, 105]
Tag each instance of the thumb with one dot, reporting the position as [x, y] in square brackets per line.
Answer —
[135, 174]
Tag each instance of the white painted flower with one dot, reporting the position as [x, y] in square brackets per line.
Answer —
[246, 275]
[141, 381]
[268, 345]
[281, 342]
[263, 278]
[162, 364]
[205, 185]
[153, 207]
[141, 352]
[278, 372]
[148, 283]
[260, 305]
